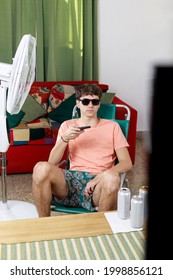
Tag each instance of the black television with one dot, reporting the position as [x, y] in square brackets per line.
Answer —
[159, 241]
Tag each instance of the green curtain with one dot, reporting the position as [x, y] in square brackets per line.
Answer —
[66, 32]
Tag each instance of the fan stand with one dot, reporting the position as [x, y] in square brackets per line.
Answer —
[10, 209]
[13, 209]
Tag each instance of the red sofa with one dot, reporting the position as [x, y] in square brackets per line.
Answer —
[22, 158]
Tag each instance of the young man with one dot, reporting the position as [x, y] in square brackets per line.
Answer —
[93, 178]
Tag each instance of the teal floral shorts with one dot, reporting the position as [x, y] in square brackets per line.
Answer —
[76, 182]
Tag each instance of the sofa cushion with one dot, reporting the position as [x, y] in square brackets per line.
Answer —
[41, 94]
[15, 119]
[37, 132]
[32, 110]
[64, 111]
[107, 97]
[59, 93]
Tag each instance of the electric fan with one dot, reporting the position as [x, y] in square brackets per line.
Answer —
[15, 82]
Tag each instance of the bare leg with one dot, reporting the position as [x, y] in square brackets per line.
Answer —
[47, 179]
[105, 193]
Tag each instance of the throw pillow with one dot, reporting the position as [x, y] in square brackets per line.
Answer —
[32, 110]
[64, 111]
[15, 119]
[107, 97]
[41, 94]
[58, 94]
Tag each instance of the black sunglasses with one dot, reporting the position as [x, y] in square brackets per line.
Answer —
[86, 101]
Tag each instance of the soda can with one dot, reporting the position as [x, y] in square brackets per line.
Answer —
[143, 192]
[123, 207]
[137, 212]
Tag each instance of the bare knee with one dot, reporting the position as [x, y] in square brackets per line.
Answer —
[111, 183]
[41, 171]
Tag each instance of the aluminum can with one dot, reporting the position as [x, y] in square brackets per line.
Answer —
[123, 207]
[137, 212]
[143, 192]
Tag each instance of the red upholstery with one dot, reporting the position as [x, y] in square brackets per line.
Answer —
[21, 159]
[50, 84]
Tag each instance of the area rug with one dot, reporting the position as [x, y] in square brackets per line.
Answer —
[121, 246]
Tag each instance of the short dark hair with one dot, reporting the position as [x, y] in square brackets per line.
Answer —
[88, 89]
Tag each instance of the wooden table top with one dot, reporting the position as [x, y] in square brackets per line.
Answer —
[55, 227]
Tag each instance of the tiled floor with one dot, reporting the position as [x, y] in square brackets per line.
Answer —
[19, 185]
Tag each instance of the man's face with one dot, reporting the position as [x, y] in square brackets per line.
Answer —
[89, 105]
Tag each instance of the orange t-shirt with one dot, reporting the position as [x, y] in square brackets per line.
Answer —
[94, 150]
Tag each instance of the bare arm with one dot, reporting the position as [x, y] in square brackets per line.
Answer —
[124, 161]
[58, 150]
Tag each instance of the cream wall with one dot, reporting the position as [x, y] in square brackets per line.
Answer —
[134, 36]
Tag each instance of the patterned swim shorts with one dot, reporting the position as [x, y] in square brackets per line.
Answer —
[76, 182]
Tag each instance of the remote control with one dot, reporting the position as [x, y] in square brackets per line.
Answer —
[84, 127]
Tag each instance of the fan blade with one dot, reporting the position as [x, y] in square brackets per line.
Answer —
[22, 74]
